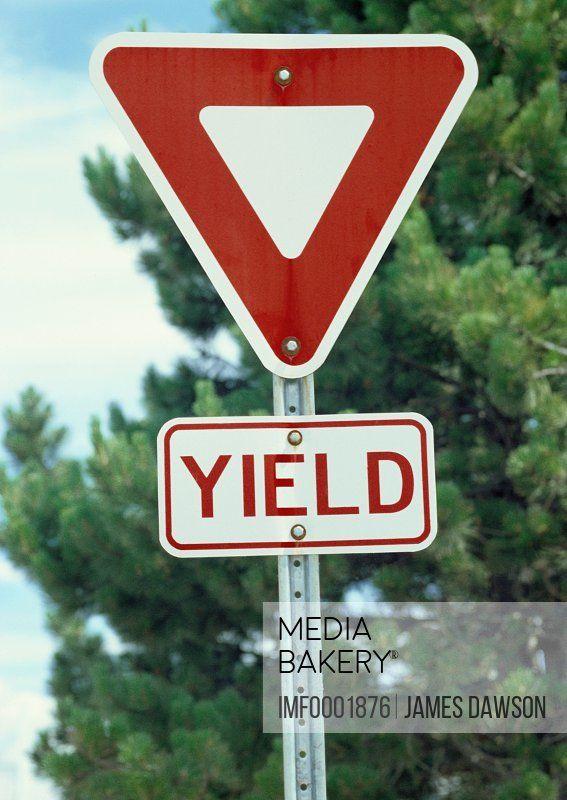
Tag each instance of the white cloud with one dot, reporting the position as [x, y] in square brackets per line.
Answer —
[76, 319]
[9, 574]
[23, 650]
[23, 714]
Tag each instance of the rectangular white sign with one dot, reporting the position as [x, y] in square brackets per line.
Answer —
[277, 485]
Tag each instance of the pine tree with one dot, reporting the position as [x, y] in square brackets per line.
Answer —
[464, 321]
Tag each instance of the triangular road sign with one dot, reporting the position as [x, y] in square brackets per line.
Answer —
[287, 161]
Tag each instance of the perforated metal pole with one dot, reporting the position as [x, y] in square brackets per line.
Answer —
[303, 739]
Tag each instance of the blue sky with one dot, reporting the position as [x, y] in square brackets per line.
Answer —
[76, 318]
[61, 33]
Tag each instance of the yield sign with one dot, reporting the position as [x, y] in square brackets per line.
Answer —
[287, 161]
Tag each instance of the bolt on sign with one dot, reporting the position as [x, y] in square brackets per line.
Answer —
[256, 485]
[287, 161]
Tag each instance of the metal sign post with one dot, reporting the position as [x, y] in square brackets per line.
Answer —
[298, 578]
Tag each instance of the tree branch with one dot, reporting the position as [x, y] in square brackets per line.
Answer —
[544, 373]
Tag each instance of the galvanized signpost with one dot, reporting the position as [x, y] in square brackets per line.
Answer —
[298, 580]
[288, 162]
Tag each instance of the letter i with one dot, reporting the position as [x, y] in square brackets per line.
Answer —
[248, 486]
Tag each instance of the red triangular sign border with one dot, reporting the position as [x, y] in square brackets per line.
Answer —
[417, 86]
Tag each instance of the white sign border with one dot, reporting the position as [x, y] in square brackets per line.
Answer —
[296, 422]
[186, 225]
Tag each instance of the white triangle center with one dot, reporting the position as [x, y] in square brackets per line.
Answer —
[288, 160]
